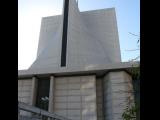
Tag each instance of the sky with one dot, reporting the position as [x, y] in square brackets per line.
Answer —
[30, 13]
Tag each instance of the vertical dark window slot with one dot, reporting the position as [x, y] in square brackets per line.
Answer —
[136, 88]
[64, 34]
[43, 93]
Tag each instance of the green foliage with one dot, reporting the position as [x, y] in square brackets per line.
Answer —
[135, 72]
[132, 112]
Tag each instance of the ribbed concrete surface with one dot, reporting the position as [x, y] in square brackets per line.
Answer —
[118, 90]
[24, 92]
[75, 97]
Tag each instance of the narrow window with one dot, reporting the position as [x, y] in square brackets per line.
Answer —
[43, 93]
[64, 34]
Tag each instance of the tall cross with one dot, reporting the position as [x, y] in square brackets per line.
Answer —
[64, 34]
[77, 2]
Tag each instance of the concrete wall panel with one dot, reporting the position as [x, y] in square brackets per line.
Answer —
[77, 100]
[118, 90]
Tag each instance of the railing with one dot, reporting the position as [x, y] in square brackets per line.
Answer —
[36, 113]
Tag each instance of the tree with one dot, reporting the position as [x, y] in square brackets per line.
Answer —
[132, 111]
[135, 49]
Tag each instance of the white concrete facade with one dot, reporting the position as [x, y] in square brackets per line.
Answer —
[87, 97]
[94, 84]
[92, 39]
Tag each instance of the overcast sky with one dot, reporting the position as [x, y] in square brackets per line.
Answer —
[30, 13]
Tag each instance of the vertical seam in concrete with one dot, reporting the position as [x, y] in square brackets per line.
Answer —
[22, 92]
[34, 91]
[67, 102]
[96, 99]
[102, 90]
[51, 94]
[96, 95]
[81, 98]
[104, 98]
[54, 92]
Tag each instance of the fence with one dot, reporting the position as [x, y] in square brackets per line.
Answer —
[28, 112]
